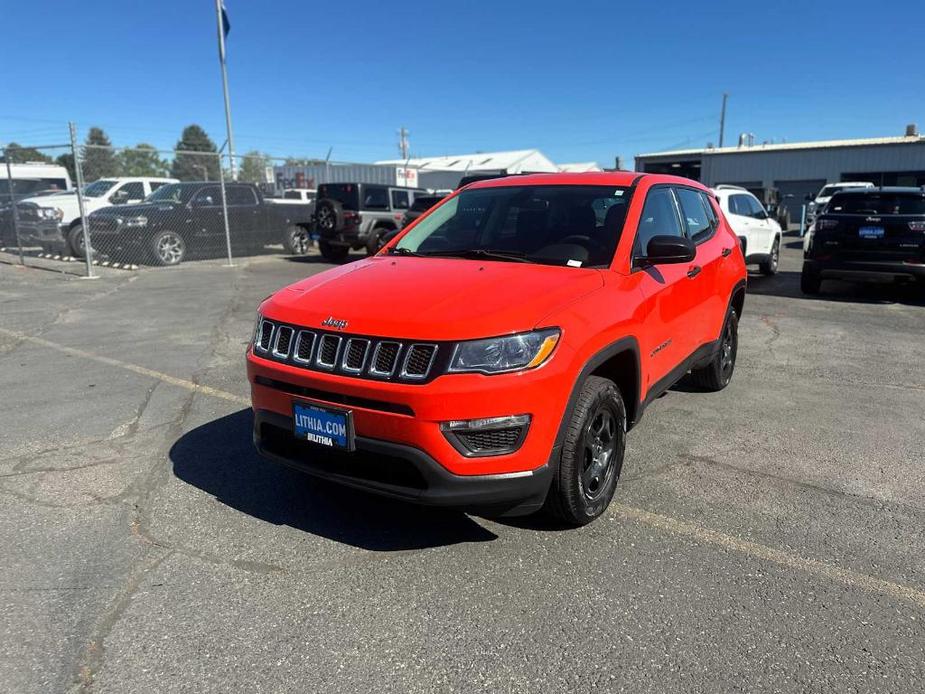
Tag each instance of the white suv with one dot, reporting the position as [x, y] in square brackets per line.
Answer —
[101, 193]
[825, 194]
[759, 233]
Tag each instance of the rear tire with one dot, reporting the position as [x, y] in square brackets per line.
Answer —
[592, 455]
[296, 240]
[75, 241]
[168, 248]
[810, 282]
[331, 253]
[716, 375]
[769, 267]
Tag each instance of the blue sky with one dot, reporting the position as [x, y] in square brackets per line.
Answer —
[579, 80]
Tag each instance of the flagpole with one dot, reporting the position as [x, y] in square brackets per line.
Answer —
[221, 56]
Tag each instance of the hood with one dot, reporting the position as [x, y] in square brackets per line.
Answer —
[142, 208]
[432, 298]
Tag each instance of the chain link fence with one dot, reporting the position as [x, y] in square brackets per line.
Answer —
[91, 205]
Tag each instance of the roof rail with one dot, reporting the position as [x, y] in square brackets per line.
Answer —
[727, 186]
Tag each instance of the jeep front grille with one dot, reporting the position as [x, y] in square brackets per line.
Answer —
[350, 355]
[418, 360]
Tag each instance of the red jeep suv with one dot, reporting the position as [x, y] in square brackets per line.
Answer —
[493, 355]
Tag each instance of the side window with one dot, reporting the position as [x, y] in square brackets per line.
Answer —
[292, 195]
[711, 211]
[375, 198]
[659, 217]
[208, 197]
[400, 199]
[156, 184]
[129, 192]
[739, 204]
[240, 195]
[698, 224]
[756, 208]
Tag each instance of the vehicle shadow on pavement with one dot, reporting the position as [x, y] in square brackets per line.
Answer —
[787, 284]
[219, 458]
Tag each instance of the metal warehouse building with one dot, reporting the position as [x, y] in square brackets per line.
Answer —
[798, 169]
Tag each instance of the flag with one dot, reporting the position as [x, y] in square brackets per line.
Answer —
[226, 25]
[225, 29]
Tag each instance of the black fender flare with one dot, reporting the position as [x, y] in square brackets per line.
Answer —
[625, 344]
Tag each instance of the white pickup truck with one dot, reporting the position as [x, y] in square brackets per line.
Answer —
[96, 195]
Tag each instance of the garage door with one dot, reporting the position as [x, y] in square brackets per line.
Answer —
[797, 192]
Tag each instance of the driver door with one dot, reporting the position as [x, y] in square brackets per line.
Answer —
[668, 311]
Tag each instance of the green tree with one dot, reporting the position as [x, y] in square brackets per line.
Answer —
[254, 167]
[21, 155]
[99, 159]
[142, 160]
[194, 167]
[67, 161]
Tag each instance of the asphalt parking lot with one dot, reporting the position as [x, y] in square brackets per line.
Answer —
[769, 537]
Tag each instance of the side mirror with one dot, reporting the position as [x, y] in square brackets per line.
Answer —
[665, 249]
[120, 197]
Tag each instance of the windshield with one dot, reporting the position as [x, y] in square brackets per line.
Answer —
[877, 203]
[577, 226]
[98, 189]
[172, 192]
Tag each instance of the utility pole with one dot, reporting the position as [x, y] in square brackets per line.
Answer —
[722, 120]
[403, 145]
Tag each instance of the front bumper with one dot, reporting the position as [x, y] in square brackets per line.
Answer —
[37, 233]
[884, 271]
[403, 420]
[401, 472]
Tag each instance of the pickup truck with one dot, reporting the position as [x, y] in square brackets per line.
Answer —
[181, 219]
[96, 195]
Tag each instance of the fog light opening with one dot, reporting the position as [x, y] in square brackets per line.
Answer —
[488, 435]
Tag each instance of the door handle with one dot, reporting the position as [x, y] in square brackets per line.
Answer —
[727, 252]
[694, 271]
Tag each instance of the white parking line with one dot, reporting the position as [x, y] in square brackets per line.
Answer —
[668, 524]
[772, 554]
[140, 370]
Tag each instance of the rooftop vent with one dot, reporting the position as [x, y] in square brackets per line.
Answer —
[912, 130]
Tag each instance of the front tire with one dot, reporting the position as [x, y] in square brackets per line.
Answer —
[168, 248]
[75, 241]
[769, 267]
[716, 375]
[810, 282]
[376, 240]
[592, 455]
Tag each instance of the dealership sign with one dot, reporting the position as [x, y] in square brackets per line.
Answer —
[406, 177]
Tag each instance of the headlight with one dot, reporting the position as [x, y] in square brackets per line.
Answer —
[51, 213]
[139, 221]
[502, 354]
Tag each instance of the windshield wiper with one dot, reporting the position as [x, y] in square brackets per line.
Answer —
[476, 253]
[403, 251]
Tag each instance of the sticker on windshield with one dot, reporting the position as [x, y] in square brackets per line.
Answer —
[574, 263]
[618, 192]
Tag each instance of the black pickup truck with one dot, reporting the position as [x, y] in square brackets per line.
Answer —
[181, 219]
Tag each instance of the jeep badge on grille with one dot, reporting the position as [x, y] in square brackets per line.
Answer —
[332, 322]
